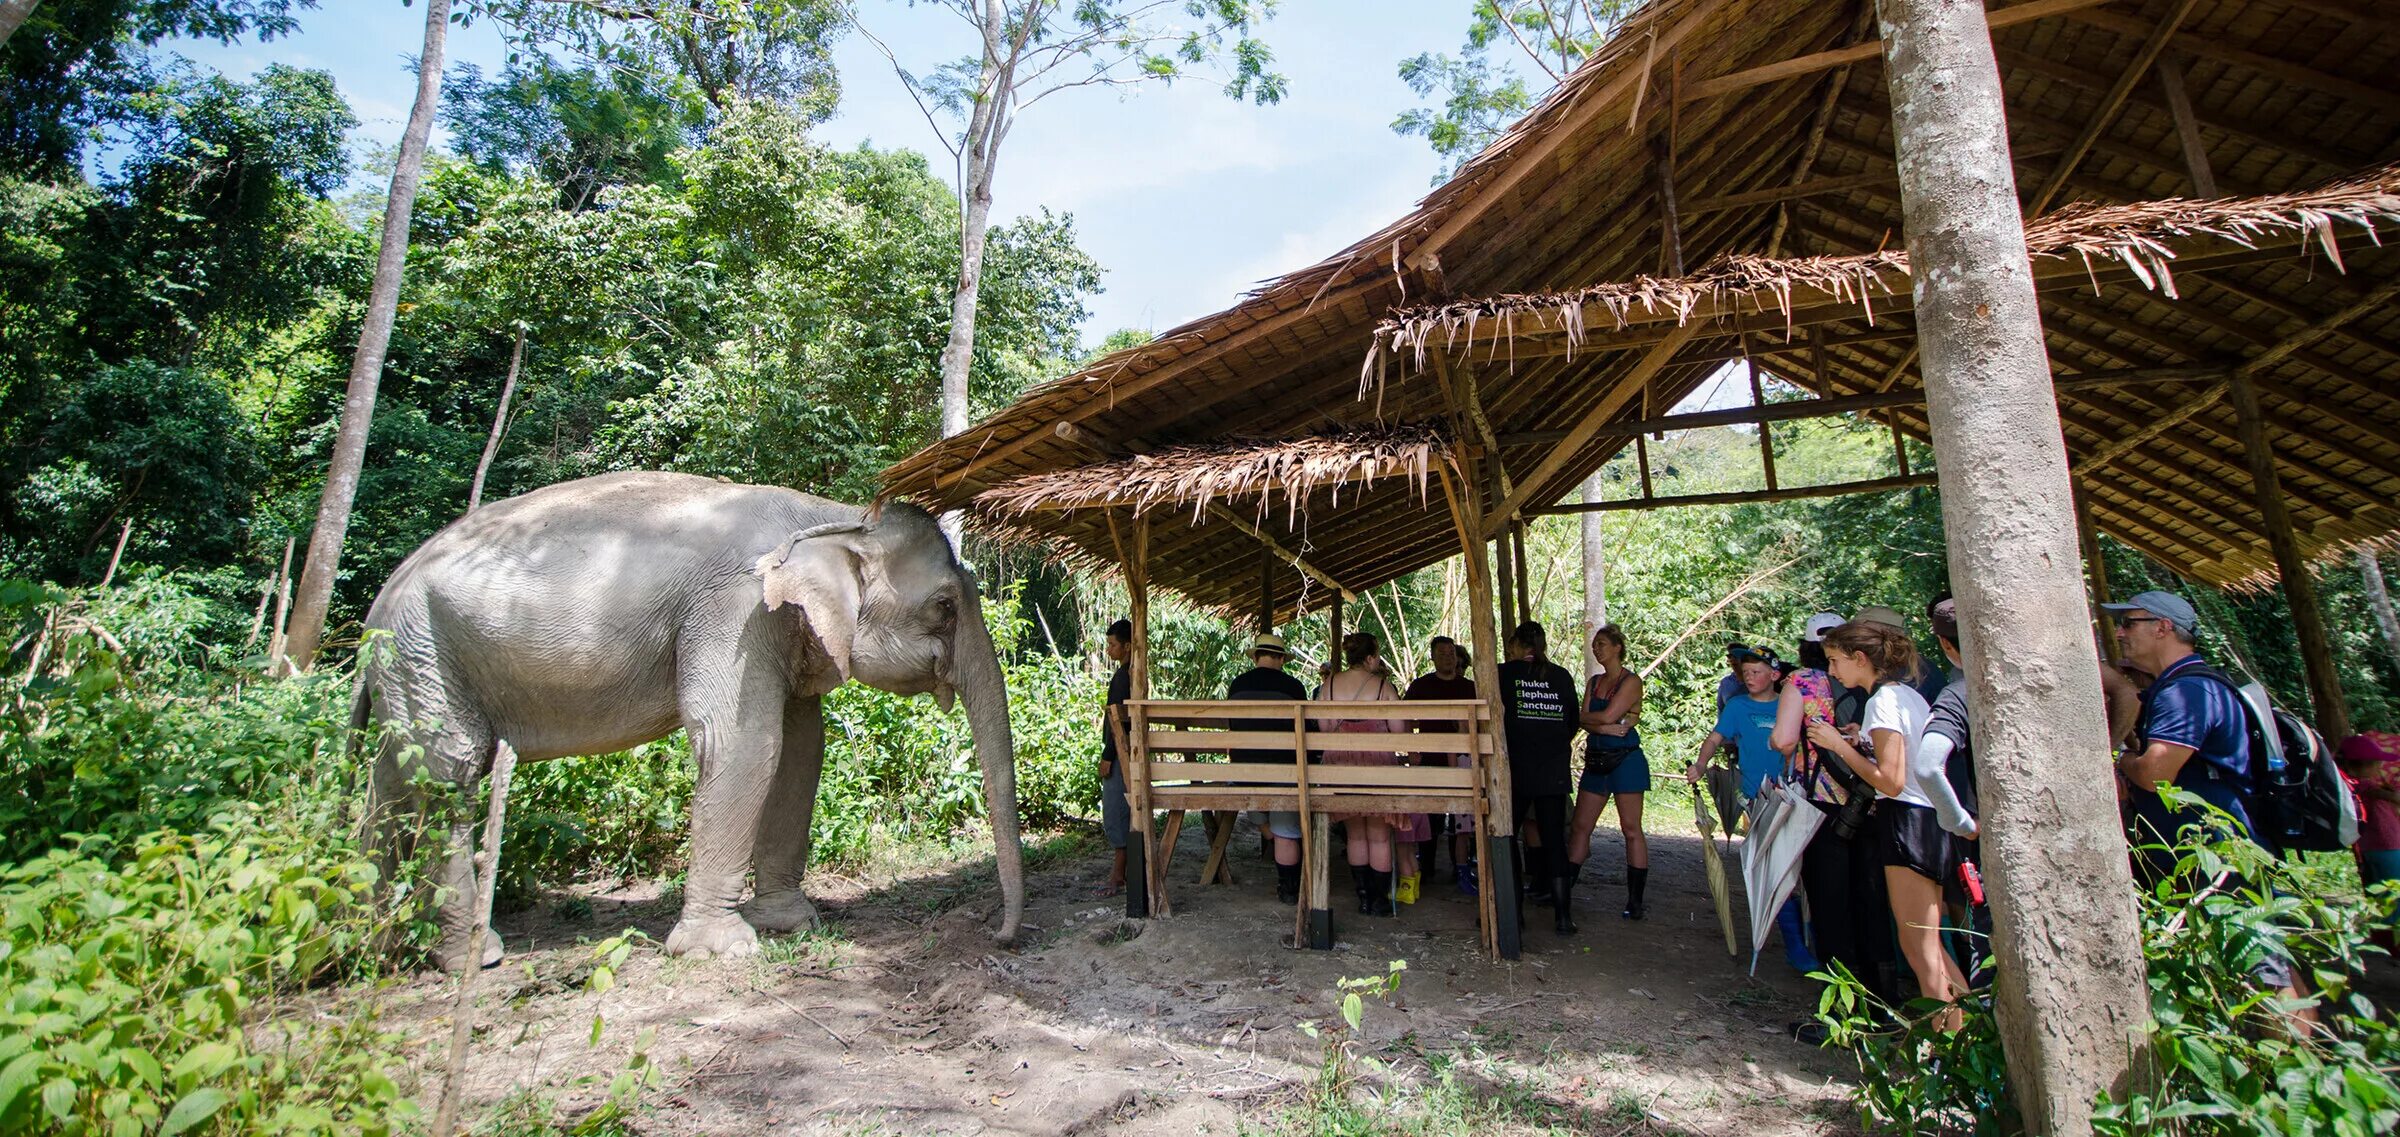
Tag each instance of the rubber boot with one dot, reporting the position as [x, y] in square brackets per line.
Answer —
[1465, 871]
[1537, 876]
[1795, 939]
[1379, 894]
[1562, 896]
[1287, 884]
[1364, 878]
[1635, 881]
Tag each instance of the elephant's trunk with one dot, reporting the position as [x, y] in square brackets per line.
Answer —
[977, 676]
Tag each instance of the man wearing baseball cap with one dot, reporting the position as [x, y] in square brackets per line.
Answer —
[2193, 730]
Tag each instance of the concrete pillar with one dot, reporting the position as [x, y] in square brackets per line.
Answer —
[2073, 998]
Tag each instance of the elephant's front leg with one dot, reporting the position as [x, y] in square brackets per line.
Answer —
[780, 858]
[735, 740]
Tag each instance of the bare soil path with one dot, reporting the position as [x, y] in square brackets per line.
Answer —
[901, 1016]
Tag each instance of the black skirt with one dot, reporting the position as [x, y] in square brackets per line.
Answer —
[1911, 836]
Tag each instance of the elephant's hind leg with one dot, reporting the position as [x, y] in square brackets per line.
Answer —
[779, 858]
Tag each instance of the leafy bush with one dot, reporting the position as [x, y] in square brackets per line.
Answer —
[2228, 1056]
[133, 977]
[86, 749]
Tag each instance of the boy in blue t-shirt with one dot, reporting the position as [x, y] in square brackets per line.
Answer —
[2193, 730]
[1747, 721]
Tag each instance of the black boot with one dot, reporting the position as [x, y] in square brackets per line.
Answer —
[1287, 884]
[1635, 879]
[1562, 894]
[1364, 878]
[1379, 897]
[1537, 877]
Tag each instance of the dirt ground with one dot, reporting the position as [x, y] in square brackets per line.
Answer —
[902, 1016]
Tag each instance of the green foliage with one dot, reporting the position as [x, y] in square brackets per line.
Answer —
[88, 748]
[2227, 1055]
[616, 815]
[1480, 97]
[66, 67]
[134, 976]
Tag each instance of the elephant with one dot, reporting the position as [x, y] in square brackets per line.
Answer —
[599, 614]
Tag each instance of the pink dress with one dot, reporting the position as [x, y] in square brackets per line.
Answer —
[1358, 686]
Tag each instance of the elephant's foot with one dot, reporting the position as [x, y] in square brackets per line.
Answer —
[781, 912]
[452, 958]
[723, 936]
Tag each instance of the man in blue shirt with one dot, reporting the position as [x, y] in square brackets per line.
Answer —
[2193, 730]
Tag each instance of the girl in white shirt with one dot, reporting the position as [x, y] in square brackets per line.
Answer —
[1917, 853]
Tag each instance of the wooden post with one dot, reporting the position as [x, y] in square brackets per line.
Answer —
[2073, 997]
[1142, 855]
[1641, 458]
[1315, 926]
[2095, 569]
[1333, 647]
[1266, 590]
[2299, 584]
[1502, 604]
[1498, 873]
[1758, 398]
[1516, 555]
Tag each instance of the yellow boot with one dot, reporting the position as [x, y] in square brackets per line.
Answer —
[1406, 891]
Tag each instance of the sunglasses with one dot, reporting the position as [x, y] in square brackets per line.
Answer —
[2129, 621]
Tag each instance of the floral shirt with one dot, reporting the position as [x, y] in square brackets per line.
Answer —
[2373, 761]
[1808, 764]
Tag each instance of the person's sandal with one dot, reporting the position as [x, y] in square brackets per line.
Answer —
[1112, 888]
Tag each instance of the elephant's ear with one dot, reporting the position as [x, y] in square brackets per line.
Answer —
[817, 571]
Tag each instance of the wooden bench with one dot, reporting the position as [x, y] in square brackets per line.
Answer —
[1161, 738]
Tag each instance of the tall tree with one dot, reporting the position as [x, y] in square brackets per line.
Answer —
[366, 366]
[2380, 599]
[1028, 50]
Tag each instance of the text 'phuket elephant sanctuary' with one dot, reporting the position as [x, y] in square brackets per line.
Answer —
[600, 614]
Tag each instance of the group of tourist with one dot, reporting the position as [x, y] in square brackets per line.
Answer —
[1865, 728]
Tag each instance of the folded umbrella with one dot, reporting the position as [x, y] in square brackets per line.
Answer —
[1714, 861]
[1781, 824]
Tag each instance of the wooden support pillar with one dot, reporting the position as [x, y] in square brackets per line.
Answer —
[2073, 999]
[1516, 555]
[1766, 430]
[1266, 590]
[1498, 840]
[2095, 569]
[2299, 584]
[1504, 571]
[1333, 638]
[1641, 459]
[1141, 857]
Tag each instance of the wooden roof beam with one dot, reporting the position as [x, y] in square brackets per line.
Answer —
[2276, 138]
[2206, 47]
[2102, 118]
[1740, 497]
[1810, 64]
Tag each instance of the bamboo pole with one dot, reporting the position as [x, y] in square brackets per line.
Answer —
[2072, 1000]
[266, 593]
[124, 534]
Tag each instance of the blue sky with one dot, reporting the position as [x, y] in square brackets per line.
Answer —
[1185, 197]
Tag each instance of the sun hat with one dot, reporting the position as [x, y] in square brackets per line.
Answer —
[1269, 643]
[1878, 614]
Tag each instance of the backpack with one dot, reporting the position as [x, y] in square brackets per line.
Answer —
[2297, 797]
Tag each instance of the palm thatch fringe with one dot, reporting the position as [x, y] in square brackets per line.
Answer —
[2142, 236]
[1199, 475]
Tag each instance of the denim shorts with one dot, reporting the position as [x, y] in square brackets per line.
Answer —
[1632, 776]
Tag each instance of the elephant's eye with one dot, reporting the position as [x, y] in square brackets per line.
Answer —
[944, 613]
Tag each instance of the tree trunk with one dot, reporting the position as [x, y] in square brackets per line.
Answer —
[980, 148]
[2380, 599]
[12, 16]
[491, 445]
[1595, 571]
[366, 367]
[2072, 1001]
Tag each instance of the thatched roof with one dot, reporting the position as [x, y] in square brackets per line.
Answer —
[1286, 471]
[2081, 241]
[1782, 153]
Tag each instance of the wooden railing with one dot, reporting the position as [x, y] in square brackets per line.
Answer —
[1314, 789]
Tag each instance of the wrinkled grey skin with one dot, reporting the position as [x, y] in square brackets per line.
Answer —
[599, 614]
